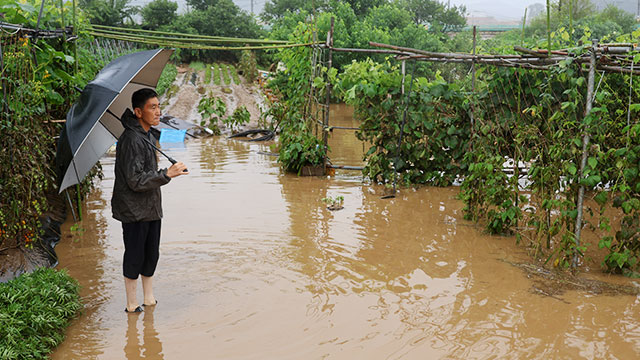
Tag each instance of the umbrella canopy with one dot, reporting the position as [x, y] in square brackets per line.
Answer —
[92, 125]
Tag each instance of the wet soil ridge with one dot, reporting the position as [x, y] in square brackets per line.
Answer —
[191, 86]
[553, 282]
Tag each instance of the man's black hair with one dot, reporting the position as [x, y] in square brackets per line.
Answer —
[140, 97]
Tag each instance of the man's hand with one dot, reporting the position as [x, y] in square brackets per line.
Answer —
[177, 169]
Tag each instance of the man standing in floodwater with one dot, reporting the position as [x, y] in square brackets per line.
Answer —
[137, 201]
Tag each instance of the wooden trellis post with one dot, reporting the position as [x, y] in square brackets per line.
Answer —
[585, 147]
[473, 84]
[325, 134]
[75, 41]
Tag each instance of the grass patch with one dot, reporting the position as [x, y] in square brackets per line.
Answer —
[207, 74]
[167, 78]
[234, 73]
[197, 65]
[225, 74]
[34, 311]
[216, 74]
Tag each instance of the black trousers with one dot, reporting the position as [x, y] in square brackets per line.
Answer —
[141, 248]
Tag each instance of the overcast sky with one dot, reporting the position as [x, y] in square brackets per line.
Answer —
[243, 4]
[499, 9]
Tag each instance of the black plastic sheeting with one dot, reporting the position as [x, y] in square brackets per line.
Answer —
[266, 135]
[15, 262]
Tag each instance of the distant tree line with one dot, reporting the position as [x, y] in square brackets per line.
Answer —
[414, 23]
[423, 24]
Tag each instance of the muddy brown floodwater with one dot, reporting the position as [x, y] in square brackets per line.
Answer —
[253, 266]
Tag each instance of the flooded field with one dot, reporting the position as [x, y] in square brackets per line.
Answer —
[253, 266]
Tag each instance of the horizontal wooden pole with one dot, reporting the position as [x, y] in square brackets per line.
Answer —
[119, 29]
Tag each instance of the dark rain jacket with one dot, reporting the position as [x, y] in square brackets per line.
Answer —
[136, 192]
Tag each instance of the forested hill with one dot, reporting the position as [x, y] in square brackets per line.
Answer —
[627, 5]
[258, 5]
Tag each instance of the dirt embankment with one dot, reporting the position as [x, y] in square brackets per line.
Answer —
[182, 99]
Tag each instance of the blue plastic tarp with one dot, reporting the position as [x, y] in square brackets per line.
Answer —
[172, 136]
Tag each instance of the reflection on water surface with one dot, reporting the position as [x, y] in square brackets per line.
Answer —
[253, 266]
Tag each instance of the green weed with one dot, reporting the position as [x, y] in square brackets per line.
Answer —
[234, 74]
[167, 78]
[225, 73]
[197, 65]
[207, 74]
[34, 311]
[216, 74]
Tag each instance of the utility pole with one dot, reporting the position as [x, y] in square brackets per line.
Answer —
[252, 8]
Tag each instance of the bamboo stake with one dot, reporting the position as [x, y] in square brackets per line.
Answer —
[629, 106]
[571, 22]
[75, 219]
[104, 27]
[538, 52]
[373, 51]
[533, 62]
[5, 105]
[422, 52]
[473, 84]
[62, 19]
[585, 149]
[79, 202]
[188, 39]
[325, 135]
[194, 46]
[524, 23]
[548, 28]
[75, 33]
[618, 69]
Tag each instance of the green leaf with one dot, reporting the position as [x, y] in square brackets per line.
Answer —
[591, 181]
[318, 82]
[592, 162]
[630, 173]
[601, 198]
[621, 152]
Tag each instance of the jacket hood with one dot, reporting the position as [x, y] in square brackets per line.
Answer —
[130, 121]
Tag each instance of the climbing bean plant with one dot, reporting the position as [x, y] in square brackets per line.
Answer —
[537, 120]
[298, 145]
[514, 143]
[520, 163]
[39, 80]
[436, 130]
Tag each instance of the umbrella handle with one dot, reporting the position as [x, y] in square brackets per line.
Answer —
[172, 160]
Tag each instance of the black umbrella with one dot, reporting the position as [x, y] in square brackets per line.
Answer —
[93, 123]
